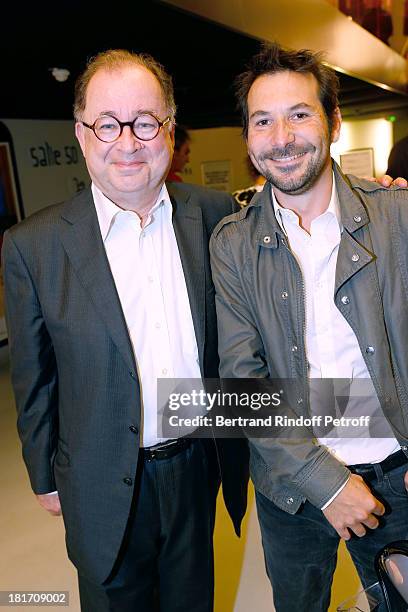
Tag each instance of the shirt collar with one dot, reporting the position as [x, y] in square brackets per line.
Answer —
[282, 213]
[107, 211]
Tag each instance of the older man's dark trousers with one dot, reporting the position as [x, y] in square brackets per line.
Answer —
[166, 562]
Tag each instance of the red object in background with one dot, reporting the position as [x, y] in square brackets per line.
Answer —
[378, 22]
[405, 18]
[352, 8]
[174, 178]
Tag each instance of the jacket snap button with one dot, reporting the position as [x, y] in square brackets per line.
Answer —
[284, 295]
[345, 300]
[267, 239]
[404, 448]
[128, 481]
[355, 257]
[134, 429]
[370, 350]
[289, 500]
[300, 401]
[357, 218]
[294, 348]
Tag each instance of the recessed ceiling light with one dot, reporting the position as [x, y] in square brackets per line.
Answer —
[60, 74]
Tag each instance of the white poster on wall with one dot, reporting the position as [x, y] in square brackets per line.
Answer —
[359, 162]
[49, 161]
[50, 169]
[217, 174]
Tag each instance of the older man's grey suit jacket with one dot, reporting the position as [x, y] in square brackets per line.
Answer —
[74, 372]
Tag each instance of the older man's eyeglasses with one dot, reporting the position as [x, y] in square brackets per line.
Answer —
[145, 127]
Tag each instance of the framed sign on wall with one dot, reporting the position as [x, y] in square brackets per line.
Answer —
[359, 162]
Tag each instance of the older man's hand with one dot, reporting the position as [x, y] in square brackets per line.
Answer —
[388, 181]
[51, 503]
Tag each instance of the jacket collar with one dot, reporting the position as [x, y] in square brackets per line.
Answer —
[352, 210]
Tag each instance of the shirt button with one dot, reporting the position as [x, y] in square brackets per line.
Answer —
[355, 257]
[267, 239]
[164, 371]
[157, 325]
[357, 218]
[370, 350]
[150, 279]
[128, 481]
[133, 429]
[284, 295]
[289, 500]
[345, 300]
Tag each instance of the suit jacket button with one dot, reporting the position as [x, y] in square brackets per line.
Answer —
[134, 429]
[128, 481]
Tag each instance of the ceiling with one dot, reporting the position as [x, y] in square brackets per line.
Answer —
[203, 58]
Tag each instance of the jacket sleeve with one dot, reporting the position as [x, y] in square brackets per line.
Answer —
[33, 369]
[290, 458]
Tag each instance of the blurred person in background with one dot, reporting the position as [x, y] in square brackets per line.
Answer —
[398, 159]
[181, 155]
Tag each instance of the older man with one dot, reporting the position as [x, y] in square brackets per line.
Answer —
[105, 294]
[311, 284]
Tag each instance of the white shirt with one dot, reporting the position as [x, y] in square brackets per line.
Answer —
[148, 274]
[332, 349]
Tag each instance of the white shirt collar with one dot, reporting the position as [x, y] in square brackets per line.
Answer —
[333, 209]
[107, 211]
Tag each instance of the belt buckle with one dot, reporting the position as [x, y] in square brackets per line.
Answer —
[165, 446]
[156, 452]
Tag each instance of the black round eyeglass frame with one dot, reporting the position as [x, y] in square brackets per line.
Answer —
[131, 124]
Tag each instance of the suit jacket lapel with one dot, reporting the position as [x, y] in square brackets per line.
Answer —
[84, 246]
[189, 231]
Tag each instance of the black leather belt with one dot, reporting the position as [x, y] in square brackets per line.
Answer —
[367, 470]
[166, 450]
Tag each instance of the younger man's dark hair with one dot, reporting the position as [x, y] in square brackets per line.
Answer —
[273, 58]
